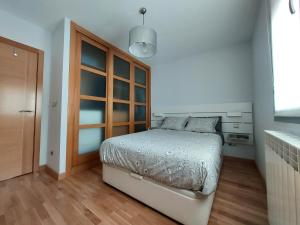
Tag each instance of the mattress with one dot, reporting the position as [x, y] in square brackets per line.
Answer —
[180, 159]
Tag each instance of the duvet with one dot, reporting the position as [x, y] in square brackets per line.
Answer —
[181, 159]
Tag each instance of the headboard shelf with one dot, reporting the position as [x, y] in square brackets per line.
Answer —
[245, 118]
[236, 117]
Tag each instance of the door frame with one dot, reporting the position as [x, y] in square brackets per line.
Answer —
[38, 98]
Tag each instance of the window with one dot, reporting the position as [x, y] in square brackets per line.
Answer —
[285, 32]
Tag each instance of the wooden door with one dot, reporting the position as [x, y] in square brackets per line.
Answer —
[141, 99]
[120, 95]
[128, 96]
[109, 95]
[18, 74]
[91, 100]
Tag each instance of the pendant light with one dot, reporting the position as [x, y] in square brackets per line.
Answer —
[142, 39]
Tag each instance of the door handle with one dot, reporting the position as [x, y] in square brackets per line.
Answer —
[25, 111]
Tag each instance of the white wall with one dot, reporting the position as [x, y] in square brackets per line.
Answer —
[17, 29]
[56, 46]
[263, 87]
[56, 158]
[219, 76]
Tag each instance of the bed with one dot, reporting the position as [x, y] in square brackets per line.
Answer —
[173, 171]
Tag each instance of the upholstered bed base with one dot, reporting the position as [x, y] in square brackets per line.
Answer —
[177, 204]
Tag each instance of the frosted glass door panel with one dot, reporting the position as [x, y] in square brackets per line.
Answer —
[90, 140]
[140, 76]
[92, 56]
[120, 112]
[121, 90]
[92, 84]
[120, 130]
[140, 94]
[139, 127]
[140, 113]
[121, 68]
[92, 112]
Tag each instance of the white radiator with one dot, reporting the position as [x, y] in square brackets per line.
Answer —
[283, 178]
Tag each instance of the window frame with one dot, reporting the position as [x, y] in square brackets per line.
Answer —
[278, 118]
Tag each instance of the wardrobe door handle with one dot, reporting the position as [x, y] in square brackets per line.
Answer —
[25, 111]
[292, 7]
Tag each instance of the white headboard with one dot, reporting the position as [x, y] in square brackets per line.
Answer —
[236, 117]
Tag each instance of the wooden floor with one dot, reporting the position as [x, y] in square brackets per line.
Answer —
[84, 199]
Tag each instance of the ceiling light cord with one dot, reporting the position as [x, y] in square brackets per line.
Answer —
[143, 19]
[143, 12]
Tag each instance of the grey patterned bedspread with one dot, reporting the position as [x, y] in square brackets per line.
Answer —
[180, 159]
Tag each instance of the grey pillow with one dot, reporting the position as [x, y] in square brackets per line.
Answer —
[202, 124]
[174, 123]
[157, 124]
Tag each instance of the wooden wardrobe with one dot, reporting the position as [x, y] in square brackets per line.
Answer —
[109, 95]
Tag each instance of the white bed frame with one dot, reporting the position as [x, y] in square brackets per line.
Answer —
[181, 205]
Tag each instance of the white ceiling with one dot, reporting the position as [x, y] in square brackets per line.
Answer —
[184, 27]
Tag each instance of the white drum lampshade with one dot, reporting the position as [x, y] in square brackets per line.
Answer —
[142, 40]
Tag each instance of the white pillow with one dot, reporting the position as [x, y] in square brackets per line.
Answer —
[174, 123]
[202, 124]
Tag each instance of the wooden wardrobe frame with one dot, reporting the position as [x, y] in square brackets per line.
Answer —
[38, 100]
[112, 50]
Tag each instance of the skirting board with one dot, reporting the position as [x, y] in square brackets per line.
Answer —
[53, 173]
[184, 209]
[85, 166]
